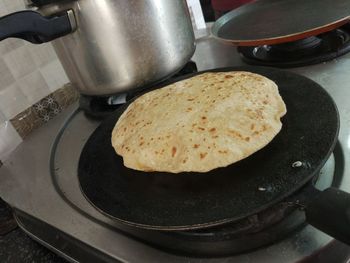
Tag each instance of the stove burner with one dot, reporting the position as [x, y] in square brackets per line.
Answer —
[246, 235]
[99, 108]
[308, 51]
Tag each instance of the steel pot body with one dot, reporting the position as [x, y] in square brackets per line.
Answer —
[123, 45]
[113, 45]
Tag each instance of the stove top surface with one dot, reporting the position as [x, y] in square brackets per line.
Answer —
[43, 186]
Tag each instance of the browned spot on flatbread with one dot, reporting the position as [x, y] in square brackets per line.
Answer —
[235, 134]
[173, 151]
[202, 155]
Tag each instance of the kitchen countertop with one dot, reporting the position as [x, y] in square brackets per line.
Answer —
[16, 246]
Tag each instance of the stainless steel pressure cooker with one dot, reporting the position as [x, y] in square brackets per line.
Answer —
[109, 46]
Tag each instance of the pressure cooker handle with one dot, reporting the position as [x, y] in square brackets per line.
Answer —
[35, 28]
[329, 211]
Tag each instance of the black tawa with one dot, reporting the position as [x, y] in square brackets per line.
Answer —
[186, 201]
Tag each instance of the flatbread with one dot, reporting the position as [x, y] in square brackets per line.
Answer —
[198, 124]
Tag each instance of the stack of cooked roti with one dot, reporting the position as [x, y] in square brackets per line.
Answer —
[198, 124]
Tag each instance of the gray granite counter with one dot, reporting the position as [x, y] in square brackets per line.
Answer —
[16, 246]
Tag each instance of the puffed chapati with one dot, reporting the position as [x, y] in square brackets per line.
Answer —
[201, 123]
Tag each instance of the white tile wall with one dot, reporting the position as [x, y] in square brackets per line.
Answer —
[54, 75]
[20, 62]
[196, 13]
[2, 118]
[34, 87]
[42, 54]
[6, 77]
[10, 44]
[9, 139]
[8, 6]
[28, 73]
[12, 101]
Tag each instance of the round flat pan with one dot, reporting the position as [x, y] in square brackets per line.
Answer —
[267, 22]
[165, 201]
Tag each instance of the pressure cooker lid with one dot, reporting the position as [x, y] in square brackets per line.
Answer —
[39, 3]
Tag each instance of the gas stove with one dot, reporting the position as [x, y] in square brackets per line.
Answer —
[307, 51]
[39, 180]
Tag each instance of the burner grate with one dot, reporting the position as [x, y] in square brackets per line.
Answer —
[308, 51]
[99, 108]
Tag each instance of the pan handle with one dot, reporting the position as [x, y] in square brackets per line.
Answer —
[330, 213]
[35, 28]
